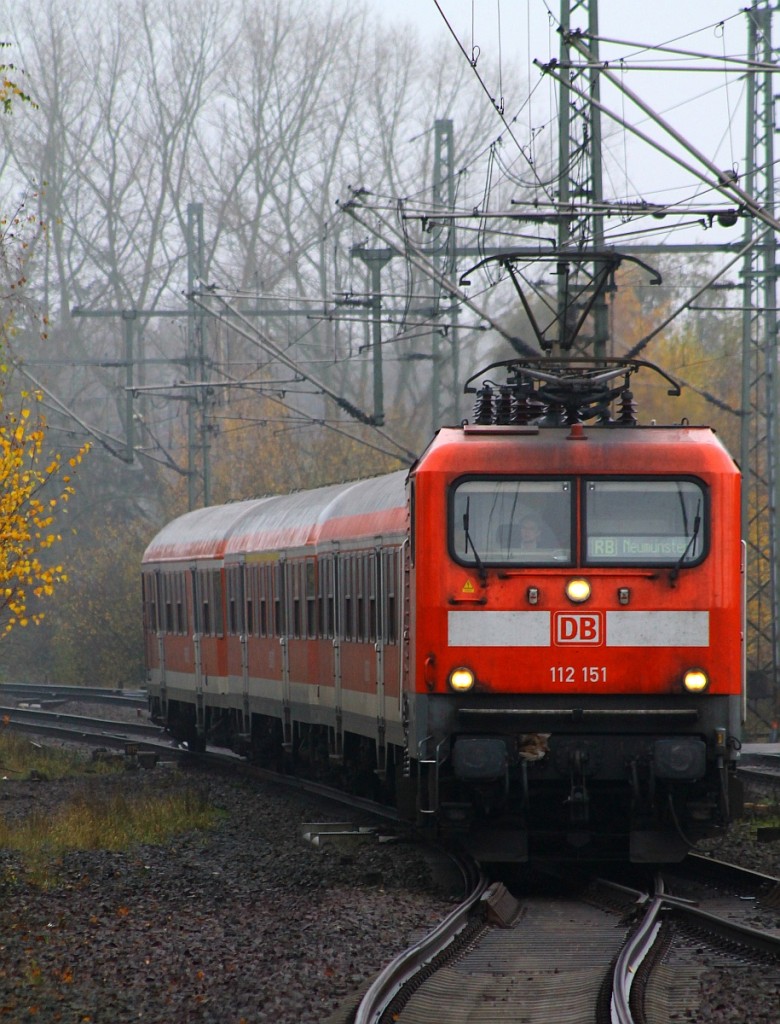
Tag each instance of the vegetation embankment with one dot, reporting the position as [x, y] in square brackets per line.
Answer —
[100, 814]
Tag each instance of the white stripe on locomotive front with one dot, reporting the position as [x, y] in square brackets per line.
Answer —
[498, 629]
[533, 629]
[658, 629]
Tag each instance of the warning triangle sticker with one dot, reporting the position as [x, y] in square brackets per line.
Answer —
[468, 587]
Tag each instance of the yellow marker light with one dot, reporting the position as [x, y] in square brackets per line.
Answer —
[462, 679]
[578, 591]
[695, 681]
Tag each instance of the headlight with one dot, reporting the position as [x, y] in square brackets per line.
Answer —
[578, 591]
[680, 757]
[695, 681]
[462, 679]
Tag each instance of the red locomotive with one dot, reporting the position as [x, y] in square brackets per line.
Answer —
[534, 639]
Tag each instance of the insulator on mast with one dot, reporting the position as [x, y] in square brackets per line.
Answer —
[483, 406]
[561, 393]
[504, 405]
[628, 407]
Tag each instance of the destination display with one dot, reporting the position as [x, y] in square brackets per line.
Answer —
[642, 547]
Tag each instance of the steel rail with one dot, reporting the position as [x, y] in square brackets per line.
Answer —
[640, 944]
[760, 767]
[401, 970]
[29, 716]
[755, 939]
[88, 731]
[53, 691]
[735, 874]
[631, 956]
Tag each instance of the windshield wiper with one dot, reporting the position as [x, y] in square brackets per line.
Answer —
[691, 543]
[469, 541]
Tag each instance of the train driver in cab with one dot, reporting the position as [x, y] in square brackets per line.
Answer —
[530, 533]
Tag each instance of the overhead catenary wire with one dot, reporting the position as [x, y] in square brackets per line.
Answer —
[743, 63]
[120, 442]
[256, 336]
[306, 418]
[724, 183]
[738, 65]
[418, 260]
[115, 446]
[473, 64]
[112, 444]
[644, 342]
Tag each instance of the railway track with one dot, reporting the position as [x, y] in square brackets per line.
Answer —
[133, 736]
[612, 950]
[51, 693]
[34, 711]
[519, 959]
[756, 764]
[762, 767]
[86, 729]
[605, 952]
[719, 950]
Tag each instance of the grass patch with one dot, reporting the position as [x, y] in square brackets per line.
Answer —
[101, 817]
[21, 758]
[113, 822]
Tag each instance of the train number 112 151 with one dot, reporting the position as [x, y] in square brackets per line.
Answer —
[584, 674]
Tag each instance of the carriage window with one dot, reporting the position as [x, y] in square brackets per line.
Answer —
[235, 587]
[168, 587]
[360, 597]
[373, 607]
[264, 592]
[279, 599]
[331, 592]
[511, 522]
[644, 522]
[347, 624]
[295, 588]
[311, 599]
[390, 578]
[181, 617]
[149, 591]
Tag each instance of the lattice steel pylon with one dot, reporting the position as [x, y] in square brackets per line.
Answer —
[759, 438]
[444, 261]
[579, 179]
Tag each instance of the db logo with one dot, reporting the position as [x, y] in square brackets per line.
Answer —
[578, 628]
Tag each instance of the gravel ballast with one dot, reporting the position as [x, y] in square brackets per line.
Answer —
[243, 923]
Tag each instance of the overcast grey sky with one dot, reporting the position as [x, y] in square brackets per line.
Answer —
[629, 19]
[708, 109]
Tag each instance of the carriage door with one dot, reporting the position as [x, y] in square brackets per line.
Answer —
[198, 584]
[244, 603]
[281, 612]
[378, 632]
[156, 624]
[335, 584]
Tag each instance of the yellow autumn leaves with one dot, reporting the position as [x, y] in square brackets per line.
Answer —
[10, 90]
[34, 487]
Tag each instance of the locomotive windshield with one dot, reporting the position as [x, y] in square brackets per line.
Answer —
[512, 522]
[639, 521]
[644, 522]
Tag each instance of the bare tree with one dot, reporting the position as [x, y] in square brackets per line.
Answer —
[266, 114]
